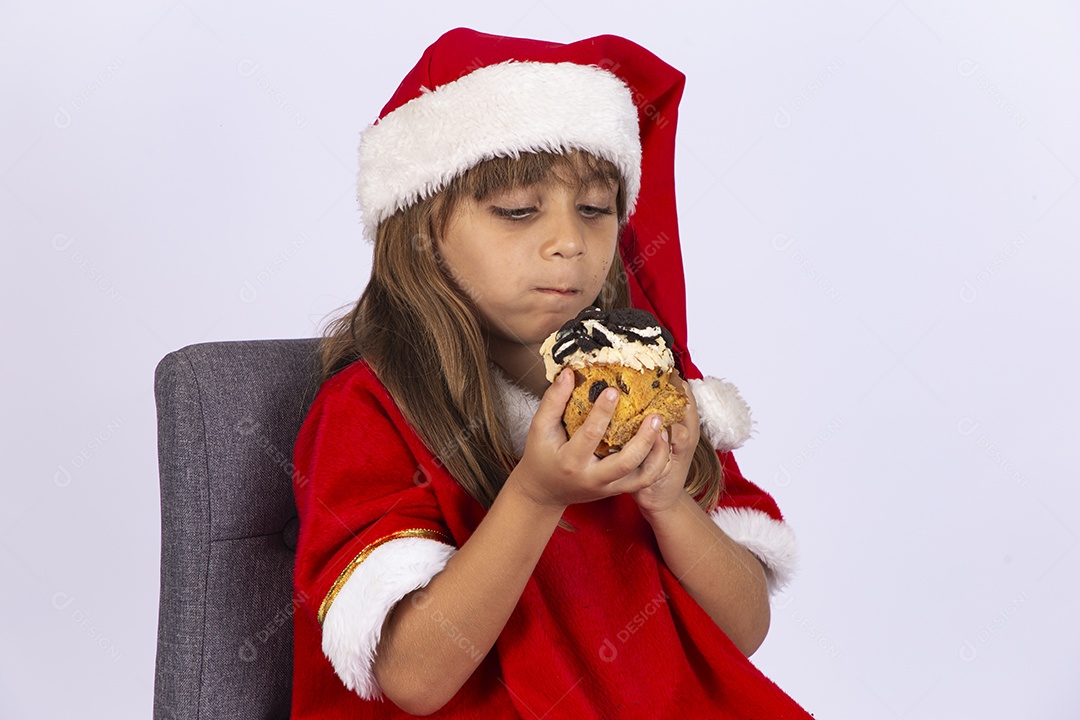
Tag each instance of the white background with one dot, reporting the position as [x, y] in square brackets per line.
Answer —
[879, 208]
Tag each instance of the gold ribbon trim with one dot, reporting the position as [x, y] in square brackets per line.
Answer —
[363, 555]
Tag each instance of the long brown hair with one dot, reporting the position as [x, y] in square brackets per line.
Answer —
[419, 333]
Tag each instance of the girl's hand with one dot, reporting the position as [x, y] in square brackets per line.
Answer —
[664, 494]
[558, 472]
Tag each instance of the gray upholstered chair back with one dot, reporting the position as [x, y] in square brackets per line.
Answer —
[228, 415]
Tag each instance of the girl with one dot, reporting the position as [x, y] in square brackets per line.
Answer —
[458, 555]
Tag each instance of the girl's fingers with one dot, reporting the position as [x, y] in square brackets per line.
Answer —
[648, 461]
[691, 403]
[591, 432]
[656, 462]
[680, 439]
[553, 403]
[645, 443]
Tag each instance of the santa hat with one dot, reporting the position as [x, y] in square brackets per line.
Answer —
[475, 96]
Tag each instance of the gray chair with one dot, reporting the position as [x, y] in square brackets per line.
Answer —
[228, 415]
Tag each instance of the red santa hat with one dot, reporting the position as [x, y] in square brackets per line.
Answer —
[474, 96]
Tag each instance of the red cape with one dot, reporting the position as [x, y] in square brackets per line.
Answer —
[602, 630]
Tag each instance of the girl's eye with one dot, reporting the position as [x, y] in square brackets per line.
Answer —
[513, 213]
[591, 211]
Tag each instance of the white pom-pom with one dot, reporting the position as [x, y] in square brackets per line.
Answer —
[725, 416]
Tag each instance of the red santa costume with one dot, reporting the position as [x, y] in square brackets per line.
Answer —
[603, 628]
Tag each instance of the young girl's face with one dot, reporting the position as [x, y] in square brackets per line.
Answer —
[531, 258]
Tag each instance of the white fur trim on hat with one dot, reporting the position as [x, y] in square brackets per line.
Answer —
[353, 624]
[725, 416]
[771, 541]
[497, 110]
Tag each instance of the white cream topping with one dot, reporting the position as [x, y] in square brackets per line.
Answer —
[632, 354]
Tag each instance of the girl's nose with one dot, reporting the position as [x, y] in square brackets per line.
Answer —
[565, 234]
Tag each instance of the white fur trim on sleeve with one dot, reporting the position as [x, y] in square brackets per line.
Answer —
[771, 541]
[725, 416]
[498, 110]
[354, 622]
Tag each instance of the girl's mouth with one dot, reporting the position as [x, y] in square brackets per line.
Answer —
[565, 292]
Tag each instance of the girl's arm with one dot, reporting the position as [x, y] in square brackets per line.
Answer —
[725, 578]
[418, 664]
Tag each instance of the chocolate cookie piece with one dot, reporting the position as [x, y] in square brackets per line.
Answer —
[594, 328]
